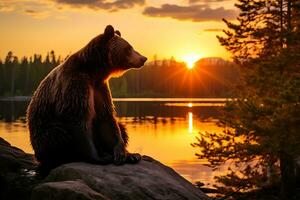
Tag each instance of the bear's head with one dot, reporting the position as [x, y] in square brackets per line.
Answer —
[121, 55]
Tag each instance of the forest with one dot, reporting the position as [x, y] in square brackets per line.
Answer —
[210, 77]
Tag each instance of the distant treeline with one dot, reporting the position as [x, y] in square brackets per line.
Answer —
[22, 76]
[211, 77]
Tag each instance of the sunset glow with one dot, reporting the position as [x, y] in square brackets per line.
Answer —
[66, 26]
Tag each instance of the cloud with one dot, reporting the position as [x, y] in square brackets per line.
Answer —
[30, 11]
[4, 7]
[102, 4]
[197, 13]
[40, 7]
[32, 7]
[36, 14]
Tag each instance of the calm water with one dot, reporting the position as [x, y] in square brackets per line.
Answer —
[161, 128]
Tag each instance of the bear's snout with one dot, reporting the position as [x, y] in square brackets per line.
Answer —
[143, 59]
[137, 60]
[141, 62]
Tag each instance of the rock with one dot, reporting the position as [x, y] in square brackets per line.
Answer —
[147, 180]
[13, 159]
[17, 172]
[67, 190]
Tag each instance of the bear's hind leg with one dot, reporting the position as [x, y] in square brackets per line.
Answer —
[57, 145]
[53, 147]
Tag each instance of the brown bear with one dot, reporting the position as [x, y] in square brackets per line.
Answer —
[71, 116]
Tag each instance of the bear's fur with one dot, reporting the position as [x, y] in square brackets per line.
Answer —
[71, 115]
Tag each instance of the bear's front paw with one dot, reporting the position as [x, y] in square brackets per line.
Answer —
[133, 158]
[119, 154]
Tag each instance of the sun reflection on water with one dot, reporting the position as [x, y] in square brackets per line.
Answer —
[190, 122]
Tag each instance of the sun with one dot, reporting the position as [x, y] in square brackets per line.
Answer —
[190, 59]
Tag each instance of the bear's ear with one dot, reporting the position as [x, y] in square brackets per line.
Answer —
[118, 33]
[109, 31]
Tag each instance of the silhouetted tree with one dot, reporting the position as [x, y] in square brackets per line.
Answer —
[23, 77]
[262, 125]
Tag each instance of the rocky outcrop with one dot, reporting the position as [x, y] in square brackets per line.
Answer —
[148, 179]
[17, 172]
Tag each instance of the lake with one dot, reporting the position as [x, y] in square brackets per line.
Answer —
[161, 128]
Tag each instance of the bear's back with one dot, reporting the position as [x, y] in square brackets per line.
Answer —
[52, 93]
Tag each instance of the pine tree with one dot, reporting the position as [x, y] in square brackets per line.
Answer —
[23, 76]
[9, 73]
[262, 124]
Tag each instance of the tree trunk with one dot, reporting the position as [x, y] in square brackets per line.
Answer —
[288, 176]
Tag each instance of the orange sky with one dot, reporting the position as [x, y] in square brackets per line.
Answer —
[167, 28]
